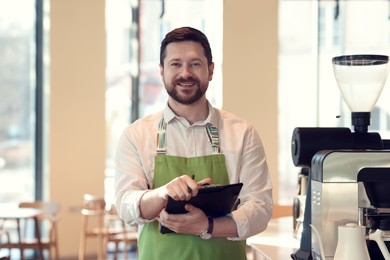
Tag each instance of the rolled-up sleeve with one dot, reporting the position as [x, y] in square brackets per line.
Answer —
[134, 170]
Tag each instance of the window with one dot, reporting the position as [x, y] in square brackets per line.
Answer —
[21, 111]
[297, 74]
[311, 33]
[135, 30]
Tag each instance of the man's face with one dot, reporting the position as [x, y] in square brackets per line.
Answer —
[185, 73]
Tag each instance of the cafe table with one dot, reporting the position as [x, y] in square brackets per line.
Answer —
[12, 212]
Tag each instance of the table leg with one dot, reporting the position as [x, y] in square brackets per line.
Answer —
[20, 239]
[38, 234]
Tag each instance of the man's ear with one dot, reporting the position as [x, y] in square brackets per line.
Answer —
[211, 71]
[161, 70]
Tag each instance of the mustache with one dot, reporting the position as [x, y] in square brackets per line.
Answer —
[184, 80]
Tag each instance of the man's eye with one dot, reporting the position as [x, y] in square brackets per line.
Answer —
[195, 65]
[175, 64]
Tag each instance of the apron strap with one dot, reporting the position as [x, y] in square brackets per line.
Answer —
[212, 133]
[161, 143]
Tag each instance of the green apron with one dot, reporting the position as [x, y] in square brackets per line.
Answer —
[154, 245]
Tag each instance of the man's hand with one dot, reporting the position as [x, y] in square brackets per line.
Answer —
[182, 188]
[194, 222]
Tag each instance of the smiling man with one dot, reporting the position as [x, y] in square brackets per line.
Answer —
[157, 154]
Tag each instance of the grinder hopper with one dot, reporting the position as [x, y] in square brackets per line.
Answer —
[361, 79]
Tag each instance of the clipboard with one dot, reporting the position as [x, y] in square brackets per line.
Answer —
[215, 200]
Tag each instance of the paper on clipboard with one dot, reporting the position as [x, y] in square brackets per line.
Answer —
[214, 200]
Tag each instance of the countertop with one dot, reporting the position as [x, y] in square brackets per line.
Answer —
[276, 242]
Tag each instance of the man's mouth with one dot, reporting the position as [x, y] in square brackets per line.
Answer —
[186, 84]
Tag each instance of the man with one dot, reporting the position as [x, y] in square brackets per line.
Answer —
[157, 155]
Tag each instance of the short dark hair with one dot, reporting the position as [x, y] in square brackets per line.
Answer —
[186, 34]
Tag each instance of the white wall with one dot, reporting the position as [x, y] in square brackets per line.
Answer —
[250, 54]
[77, 123]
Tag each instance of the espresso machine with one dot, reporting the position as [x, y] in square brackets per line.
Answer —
[375, 211]
[344, 165]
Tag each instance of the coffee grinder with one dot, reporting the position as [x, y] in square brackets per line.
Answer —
[336, 156]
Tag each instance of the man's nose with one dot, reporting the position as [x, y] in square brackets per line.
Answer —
[186, 72]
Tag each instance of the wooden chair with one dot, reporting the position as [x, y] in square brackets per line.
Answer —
[48, 222]
[4, 239]
[104, 225]
[122, 233]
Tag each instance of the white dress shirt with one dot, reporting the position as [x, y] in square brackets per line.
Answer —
[239, 142]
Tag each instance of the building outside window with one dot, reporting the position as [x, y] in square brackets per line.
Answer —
[18, 95]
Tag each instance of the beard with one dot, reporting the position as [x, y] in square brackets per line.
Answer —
[184, 97]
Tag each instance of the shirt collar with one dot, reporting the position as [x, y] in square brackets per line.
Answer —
[212, 119]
